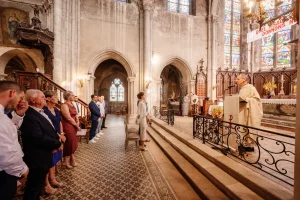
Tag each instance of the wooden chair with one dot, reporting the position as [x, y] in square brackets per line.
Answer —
[85, 123]
[131, 131]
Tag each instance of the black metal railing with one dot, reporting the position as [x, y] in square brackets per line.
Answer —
[167, 115]
[271, 152]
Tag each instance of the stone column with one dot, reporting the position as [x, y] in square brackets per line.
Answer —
[58, 59]
[212, 57]
[155, 93]
[131, 102]
[297, 142]
[255, 53]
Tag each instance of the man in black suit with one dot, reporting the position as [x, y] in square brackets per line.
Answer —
[95, 114]
[39, 139]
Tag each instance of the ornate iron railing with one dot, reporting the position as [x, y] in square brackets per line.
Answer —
[271, 152]
[166, 115]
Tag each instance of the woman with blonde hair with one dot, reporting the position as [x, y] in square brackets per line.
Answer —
[53, 113]
[70, 124]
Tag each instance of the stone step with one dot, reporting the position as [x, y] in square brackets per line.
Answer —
[279, 124]
[231, 187]
[203, 187]
[266, 188]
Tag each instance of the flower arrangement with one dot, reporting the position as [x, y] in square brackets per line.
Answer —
[217, 112]
[269, 87]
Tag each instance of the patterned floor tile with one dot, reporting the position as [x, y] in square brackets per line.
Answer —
[106, 171]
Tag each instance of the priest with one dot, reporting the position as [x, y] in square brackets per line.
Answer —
[251, 111]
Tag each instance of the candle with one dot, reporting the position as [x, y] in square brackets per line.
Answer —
[272, 79]
[281, 78]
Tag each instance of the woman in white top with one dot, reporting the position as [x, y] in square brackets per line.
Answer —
[143, 119]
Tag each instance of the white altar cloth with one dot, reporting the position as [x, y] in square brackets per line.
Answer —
[279, 101]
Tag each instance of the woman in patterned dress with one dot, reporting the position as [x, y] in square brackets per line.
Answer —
[70, 124]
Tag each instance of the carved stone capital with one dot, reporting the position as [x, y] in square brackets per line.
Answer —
[139, 4]
[148, 4]
[131, 79]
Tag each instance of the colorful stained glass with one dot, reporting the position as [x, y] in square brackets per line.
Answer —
[184, 9]
[236, 18]
[267, 56]
[113, 93]
[236, 40]
[227, 17]
[228, 5]
[284, 36]
[227, 39]
[124, 1]
[268, 40]
[226, 59]
[172, 6]
[236, 30]
[236, 50]
[283, 55]
[226, 49]
[121, 93]
[235, 59]
[269, 4]
[227, 28]
[232, 20]
[185, 2]
[236, 7]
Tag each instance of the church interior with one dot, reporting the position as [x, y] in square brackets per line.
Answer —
[187, 57]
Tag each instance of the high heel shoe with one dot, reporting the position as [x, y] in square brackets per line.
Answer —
[74, 164]
[67, 166]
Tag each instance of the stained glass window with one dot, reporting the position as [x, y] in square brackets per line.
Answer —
[180, 6]
[232, 33]
[274, 52]
[124, 1]
[117, 90]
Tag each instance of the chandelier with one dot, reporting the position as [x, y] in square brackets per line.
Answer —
[255, 11]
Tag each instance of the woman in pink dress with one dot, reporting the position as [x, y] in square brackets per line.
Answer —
[70, 124]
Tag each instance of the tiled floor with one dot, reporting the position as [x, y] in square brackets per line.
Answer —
[106, 171]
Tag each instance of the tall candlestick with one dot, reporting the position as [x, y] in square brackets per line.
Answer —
[281, 78]
[272, 79]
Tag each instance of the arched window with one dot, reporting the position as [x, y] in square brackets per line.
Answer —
[232, 33]
[180, 6]
[274, 52]
[117, 90]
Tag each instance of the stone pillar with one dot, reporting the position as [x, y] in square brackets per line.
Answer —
[131, 99]
[212, 57]
[155, 93]
[148, 6]
[297, 142]
[58, 58]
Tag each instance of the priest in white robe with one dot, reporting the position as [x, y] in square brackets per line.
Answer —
[250, 111]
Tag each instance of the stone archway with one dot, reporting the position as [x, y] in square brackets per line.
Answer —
[186, 78]
[114, 55]
[32, 60]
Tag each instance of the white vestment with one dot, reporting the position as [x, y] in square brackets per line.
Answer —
[251, 112]
[185, 106]
[142, 113]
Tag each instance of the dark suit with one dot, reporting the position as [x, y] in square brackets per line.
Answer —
[106, 111]
[95, 114]
[39, 139]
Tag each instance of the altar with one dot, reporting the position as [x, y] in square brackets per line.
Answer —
[279, 107]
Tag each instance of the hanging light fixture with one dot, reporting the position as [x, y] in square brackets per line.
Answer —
[254, 10]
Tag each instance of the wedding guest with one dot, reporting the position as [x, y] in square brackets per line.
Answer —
[12, 165]
[106, 111]
[143, 119]
[39, 139]
[76, 105]
[53, 113]
[95, 115]
[70, 125]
